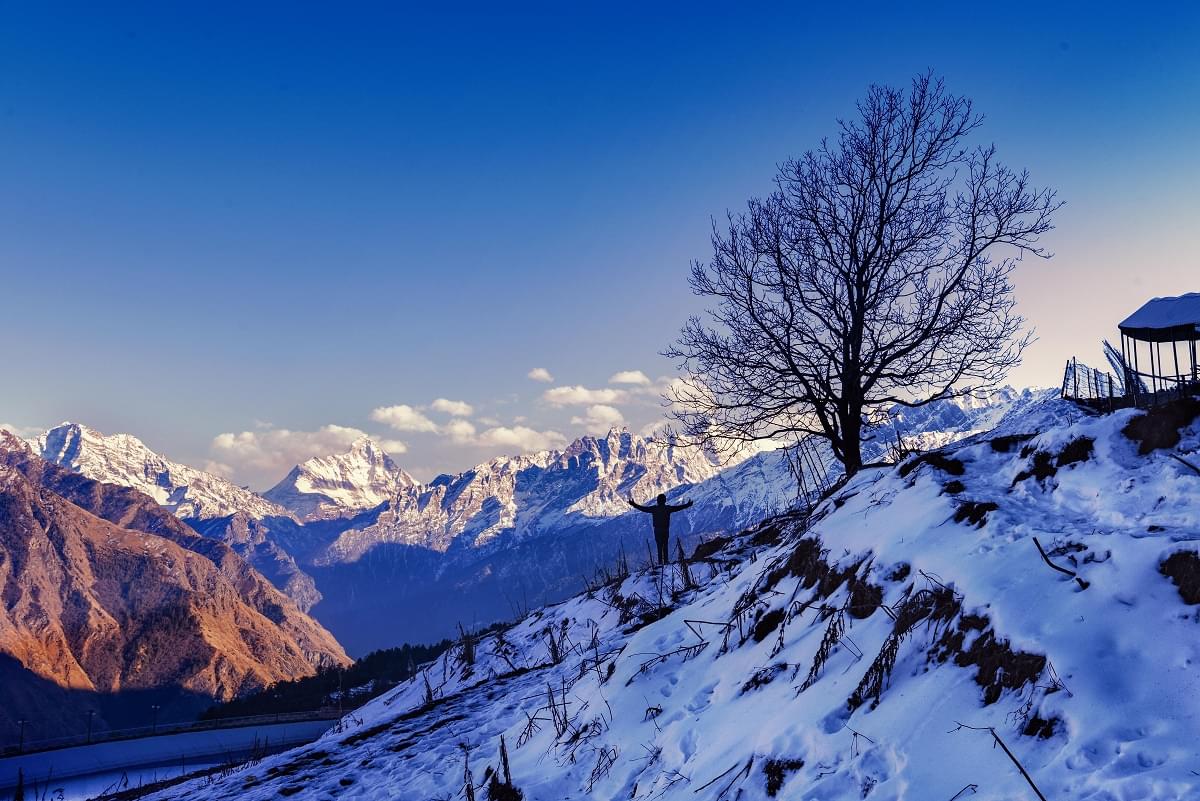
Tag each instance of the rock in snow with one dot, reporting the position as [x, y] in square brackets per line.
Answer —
[874, 648]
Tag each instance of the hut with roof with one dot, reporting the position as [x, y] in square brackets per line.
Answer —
[1159, 344]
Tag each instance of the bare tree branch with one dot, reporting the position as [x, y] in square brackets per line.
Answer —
[877, 273]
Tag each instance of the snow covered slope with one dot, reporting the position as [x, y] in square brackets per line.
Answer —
[125, 460]
[874, 649]
[342, 484]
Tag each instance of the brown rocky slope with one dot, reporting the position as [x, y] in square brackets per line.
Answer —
[103, 594]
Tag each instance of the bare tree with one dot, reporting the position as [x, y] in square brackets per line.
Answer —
[877, 273]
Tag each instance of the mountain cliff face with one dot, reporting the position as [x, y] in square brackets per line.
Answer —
[106, 593]
[125, 460]
[343, 484]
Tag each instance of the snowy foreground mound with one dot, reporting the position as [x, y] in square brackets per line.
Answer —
[836, 657]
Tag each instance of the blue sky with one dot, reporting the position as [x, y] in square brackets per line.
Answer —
[265, 221]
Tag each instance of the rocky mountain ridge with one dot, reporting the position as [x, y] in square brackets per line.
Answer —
[125, 460]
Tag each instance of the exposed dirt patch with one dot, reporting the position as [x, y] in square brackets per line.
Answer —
[709, 547]
[1077, 450]
[953, 487]
[1159, 427]
[1183, 568]
[974, 512]
[947, 464]
[804, 562]
[999, 667]
[1045, 464]
[865, 598]
[1041, 728]
[769, 535]
[1006, 444]
[777, 770]
[765, 625]
[1041, 469]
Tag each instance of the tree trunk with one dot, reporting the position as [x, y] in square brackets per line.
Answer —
[852, 439]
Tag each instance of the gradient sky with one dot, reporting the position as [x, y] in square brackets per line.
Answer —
[264, 221]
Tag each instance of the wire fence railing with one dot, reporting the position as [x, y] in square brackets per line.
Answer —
[1081, 382]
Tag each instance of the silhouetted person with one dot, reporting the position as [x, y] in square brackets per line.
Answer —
[661, 512]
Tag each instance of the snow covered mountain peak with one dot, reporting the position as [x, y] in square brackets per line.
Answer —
[125, 460]
[341, 484]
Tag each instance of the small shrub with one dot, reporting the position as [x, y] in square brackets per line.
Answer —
[498, 790]
[763, 676]
[777, 770]
[953, 487]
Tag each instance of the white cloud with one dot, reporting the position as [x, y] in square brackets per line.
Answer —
[600, 418]
[272, 452]
[452, 407]
[403, 417]
[24, 432]
[540, 374]
[218, 469]
[658, 428]
[459, 430]
[523, 438]
[577, 395]
[393, 447]
[636, 377]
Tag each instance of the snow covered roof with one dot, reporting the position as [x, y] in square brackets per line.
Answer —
[1165, 319]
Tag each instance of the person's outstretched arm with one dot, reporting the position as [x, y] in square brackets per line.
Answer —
[636, 505]
[681, 506]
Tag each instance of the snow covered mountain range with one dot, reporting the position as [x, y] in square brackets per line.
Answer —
[357, 541]
[903, 640]
[124, 460]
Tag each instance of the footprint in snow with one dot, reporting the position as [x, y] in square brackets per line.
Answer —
[702, 699]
